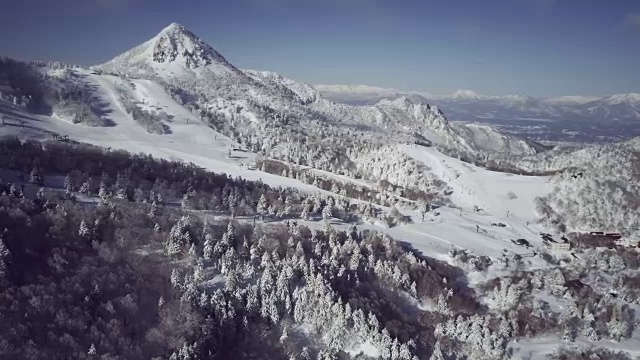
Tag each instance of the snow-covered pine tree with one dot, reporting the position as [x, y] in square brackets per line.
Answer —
[68, 183]
[327, 212]
[35, 177]
[617, 326]
[84, 231]
[262, 206]
[304, 215]
[208, 247]
[172, 247]
[85, 189]
[103, 193]
[229, 237]
[92, 351]
[286, 212]
[317, 205]
[5, 258]
[193, 253]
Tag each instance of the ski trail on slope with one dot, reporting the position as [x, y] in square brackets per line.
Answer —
[433, 237]
[484, 188]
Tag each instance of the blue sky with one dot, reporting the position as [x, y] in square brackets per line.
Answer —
[530, 47]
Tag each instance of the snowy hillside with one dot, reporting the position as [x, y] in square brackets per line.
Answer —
[565, 118]
[596, 188]
[306, 93]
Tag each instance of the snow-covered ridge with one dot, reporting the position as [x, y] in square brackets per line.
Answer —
[631, 98]
[570, 100]
[468, 95]
[421, 113]
[407, 115]
[305, 92]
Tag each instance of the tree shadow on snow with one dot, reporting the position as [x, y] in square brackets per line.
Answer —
[100, 107]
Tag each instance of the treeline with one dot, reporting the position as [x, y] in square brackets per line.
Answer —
[385, 194]
[97, 172]
[75, 100]
[496, 162]
[22, 84]
[152, 122]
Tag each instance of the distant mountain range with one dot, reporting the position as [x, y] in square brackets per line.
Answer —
[573, 118]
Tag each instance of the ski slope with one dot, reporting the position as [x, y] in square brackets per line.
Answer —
[463, 228]
[475, 186]
[190, 140]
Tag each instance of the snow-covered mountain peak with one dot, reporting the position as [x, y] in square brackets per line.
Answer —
[467, 95]
[174, 28]
[403, 101]
[629, 99]
[177, 43]
[419, 112]
[174, 49]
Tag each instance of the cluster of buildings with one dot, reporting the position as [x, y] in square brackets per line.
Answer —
[552, 244]
[615, 239]
[605, 239]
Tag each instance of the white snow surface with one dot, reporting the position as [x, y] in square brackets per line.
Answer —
[366, 349]
[474, 186]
